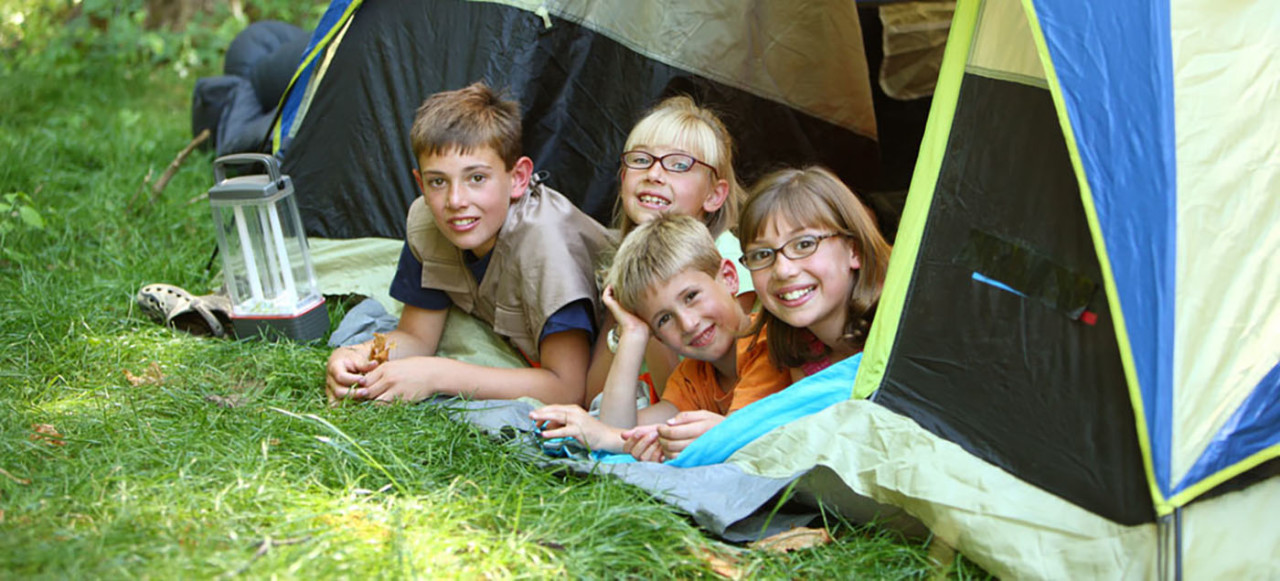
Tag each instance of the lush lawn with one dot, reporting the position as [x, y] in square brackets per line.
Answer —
[164, 479]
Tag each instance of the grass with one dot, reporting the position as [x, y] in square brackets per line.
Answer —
[157, 480]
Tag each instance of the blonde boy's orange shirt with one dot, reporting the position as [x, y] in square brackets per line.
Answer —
[693, 386]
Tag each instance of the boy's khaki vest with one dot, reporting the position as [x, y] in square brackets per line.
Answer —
[544, 259]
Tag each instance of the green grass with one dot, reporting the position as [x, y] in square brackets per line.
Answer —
[159, 481]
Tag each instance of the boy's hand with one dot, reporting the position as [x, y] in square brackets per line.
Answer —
[682, 430]
[347, 367]
[642, 443]
[629, 325]
[399, 380]
[571, 421]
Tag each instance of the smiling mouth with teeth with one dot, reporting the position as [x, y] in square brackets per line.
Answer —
[652, 200]
[464, 221]
[703, 338]
[795, 294]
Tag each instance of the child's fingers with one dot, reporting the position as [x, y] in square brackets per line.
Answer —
[560, 432]
[631, 440]
[373, 386]
[341, 377]
[673, 448]
[338, 395]
[647, 449]
[558, 414]
[682, 431]
[688, 417]
[653, 453]
[390, 398]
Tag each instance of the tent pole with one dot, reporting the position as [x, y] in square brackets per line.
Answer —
[1177, 543]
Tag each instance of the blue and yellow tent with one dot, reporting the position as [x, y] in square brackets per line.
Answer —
[1075, 368]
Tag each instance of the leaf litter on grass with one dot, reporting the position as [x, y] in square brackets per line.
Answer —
[47, 434]
[151, 376]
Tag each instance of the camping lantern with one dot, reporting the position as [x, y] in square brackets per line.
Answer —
[268, 271]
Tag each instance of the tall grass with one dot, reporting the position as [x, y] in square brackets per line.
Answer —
[223, 460]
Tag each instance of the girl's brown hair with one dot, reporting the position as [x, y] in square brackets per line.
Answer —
[813, 196]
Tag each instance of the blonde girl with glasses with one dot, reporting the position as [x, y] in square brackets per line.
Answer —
[678, 159]
[818, 264]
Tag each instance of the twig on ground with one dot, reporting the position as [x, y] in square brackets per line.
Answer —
[22, 481]
[141, 187]
[158, 187]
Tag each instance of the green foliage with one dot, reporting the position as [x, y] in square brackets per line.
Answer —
[18, 205]
[66, 38]
[16, 211]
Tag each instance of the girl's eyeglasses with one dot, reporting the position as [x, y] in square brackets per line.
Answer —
[672, 162]
[795, 249]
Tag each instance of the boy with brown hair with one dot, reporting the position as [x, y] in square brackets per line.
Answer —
[668, 280]
[487, 238]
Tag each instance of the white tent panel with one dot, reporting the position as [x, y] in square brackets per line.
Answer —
[1009, 527]
[1003, 47]
[1227, 330]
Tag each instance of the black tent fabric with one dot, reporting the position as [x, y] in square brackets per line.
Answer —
[580, 91]
[1072, 433]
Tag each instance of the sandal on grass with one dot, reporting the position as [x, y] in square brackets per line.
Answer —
[208, 315]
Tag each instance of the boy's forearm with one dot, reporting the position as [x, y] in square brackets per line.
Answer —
[598, 371]
[618, 406]
[458, 378]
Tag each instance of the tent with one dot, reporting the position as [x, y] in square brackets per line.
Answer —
[1073, 371]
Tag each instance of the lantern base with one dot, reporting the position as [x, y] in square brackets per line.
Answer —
[307, 326]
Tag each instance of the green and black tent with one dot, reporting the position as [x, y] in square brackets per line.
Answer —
[584, 72]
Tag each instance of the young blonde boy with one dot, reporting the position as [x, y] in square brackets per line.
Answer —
[486, 238]
[669, 281]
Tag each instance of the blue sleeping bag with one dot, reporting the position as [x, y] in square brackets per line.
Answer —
[805, 397]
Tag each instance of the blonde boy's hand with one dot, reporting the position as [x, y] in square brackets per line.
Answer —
[347, 366]
[683, 429]
[628, 324]
[571, 421]
[642, 443]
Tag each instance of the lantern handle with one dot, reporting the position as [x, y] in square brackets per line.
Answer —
[271, 164]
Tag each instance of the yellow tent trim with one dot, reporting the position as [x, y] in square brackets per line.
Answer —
[1186, 496]
[924, 181]
[320, 47]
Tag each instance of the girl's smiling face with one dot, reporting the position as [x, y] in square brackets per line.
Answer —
[648, 192]
[810, 292]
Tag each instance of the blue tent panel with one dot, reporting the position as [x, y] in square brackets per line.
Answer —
[1114, 66]
[1250, 430]
[332, 18]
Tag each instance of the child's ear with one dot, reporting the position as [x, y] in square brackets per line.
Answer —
[719, 194]
[521, 174]
[417, 177]
[729, 275]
